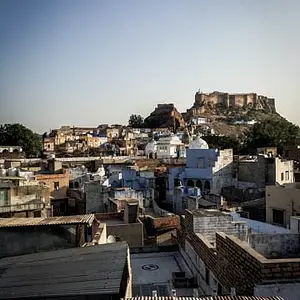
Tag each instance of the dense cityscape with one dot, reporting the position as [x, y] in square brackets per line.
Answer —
[149, 150]
[169, 205]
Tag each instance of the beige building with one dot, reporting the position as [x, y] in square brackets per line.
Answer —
[21, 197]
[260, 171]
[112, 132]
[282, 202]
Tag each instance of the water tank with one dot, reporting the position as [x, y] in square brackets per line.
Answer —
[12, 172]
[191, 192]
[2, 172]
[111, 239]
[197, 192]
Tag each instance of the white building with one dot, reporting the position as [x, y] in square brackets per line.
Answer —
[198, 120]
[170, 147]
[151, 149]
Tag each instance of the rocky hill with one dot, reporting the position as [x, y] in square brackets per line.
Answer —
[225, 114]
[165, 116]
[220, 103]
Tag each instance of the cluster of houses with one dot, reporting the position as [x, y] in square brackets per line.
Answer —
[121, 140]
[233, 221]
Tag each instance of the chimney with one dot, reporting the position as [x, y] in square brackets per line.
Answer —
[131, 212]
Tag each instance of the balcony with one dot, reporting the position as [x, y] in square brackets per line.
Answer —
[21, 207]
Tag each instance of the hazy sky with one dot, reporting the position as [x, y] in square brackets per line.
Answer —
[72, 62]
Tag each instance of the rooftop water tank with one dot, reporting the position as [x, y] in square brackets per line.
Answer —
[12, 172]
[2, 172]
[111, 239]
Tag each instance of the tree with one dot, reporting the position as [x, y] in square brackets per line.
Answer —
[19, 135]
[272, 132]
[136, 121]
[224, 142]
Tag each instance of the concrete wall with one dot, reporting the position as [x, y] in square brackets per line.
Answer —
[275, 245]
[265, 171]
[24, 194]
[25, 240]
[198, 269]
[131, 233]
[252, 171]
[222, 171]
[208, 226]
[96, 197]
[286, 199]
[288, 291]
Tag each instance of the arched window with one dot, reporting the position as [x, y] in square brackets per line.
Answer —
[207, 185]
[199, 184]
[190, 183]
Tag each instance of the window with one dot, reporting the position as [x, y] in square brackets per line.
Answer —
[37, 214]
[278, 216]
[190, 183]
[201, 162]
[282, 176]
[3, 197]
[220, 291]
[287, 177]
[207, 276]
[56, 185]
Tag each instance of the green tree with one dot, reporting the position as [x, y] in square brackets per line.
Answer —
[136, 121]
[19, 135]
[274, 132]
[224, 142]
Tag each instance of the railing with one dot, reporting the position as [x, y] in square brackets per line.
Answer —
[21, 207]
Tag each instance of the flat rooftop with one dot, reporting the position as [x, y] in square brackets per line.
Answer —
[153, 271]
[260, 227]
[206, 213]
[70, 272]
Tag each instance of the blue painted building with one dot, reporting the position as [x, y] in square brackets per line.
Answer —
[143, 181]
[207, 170]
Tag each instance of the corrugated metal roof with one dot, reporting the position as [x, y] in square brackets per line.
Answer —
[69, 272]
[207, 298]
[62, 220]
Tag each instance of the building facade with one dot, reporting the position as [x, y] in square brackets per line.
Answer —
[282, 202]
[208, 170]
[260, 171]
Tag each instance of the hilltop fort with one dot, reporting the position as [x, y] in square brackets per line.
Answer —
[207, 102]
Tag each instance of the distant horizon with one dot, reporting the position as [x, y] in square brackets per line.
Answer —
[155, 105]
[92, 62]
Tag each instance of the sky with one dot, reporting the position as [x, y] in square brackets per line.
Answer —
[85, 63]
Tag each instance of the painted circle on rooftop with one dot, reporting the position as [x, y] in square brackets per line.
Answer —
[150, 267]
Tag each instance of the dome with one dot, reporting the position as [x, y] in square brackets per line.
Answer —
[150, 147]
[170, 140]
[198, 143]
